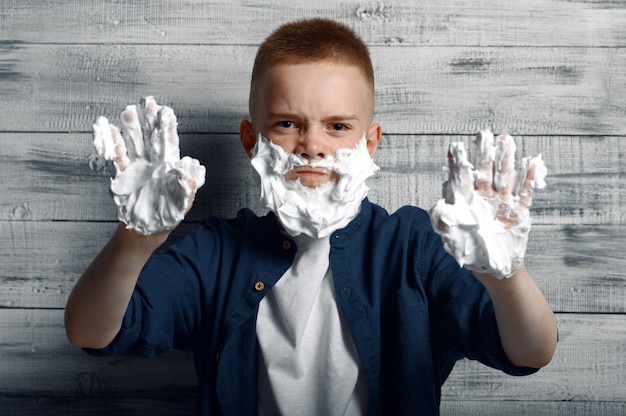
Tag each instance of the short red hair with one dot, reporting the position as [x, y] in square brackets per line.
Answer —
[313, 40]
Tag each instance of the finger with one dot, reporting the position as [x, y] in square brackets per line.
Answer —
[524, 192]
[460, 177]
[503, 179]
[148, 114]
[191, 174]
[192, 170]
[482, 151]
[460, 167]
[192, 184]
[168, 135]
[533, 172]
[109, 143]
[102, 140]
[133, 132]
[121, 160]
[541, 171]
[504, 165]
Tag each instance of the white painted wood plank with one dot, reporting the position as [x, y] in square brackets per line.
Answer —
[94, 406]
[579, 268]
[36, 357]
[526, 408]
[124, 406]
[37, 360]
[58, 177]
[584, 181]
[41, 261]
[547, 69]
[420, 90]
[454, 22]
[588, 357]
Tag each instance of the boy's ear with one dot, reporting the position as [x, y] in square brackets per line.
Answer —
[247, 136]
[374, 134]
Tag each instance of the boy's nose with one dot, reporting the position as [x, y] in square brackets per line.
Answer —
[311, 146]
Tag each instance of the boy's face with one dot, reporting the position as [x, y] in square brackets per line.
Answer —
[312, 110]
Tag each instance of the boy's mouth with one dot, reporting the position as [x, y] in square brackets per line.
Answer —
[311, 176]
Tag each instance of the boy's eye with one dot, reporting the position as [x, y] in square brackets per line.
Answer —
[285, 124]
[338, 127]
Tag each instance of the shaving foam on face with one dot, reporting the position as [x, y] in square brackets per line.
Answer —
[319, 211]
[469, 223]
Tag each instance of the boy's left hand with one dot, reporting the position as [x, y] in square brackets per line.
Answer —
[483, 217]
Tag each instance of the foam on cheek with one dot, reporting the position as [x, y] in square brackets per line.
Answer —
[319, 211]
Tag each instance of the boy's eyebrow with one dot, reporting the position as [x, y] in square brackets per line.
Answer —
[342, 117]
[289, 116]
[281, 115]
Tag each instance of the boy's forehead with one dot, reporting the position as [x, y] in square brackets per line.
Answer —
[294, 78]
[278, 72]
[316, 78]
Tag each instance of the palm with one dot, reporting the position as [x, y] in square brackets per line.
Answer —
[484, 217]
[152, 188]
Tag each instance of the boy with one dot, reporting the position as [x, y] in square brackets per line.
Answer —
[326, 305]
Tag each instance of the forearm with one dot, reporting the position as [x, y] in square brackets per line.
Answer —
[526, 322]
[96, 306]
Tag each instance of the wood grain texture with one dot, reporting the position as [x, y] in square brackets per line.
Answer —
[531, 408]
[582, 370]
[57, 213]
[428, 90]
[550, 72]
[579, 268]
[455, 22]
[95, 406]
[35, 339]
[585, 367]
[72, 406]
[58, 177]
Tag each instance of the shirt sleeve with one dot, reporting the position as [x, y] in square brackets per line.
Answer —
[464, 321]
[164, 311]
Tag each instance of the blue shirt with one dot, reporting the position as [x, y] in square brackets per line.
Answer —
[411, 310]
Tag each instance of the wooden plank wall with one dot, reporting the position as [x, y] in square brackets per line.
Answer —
[549, 72]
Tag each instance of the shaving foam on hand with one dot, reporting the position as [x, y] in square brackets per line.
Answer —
[152, 186]
[483, 217]
[316, 212]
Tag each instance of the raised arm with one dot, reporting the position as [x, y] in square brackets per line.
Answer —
[153, 190]
[525, 320]
[484, 221]
[96, 306]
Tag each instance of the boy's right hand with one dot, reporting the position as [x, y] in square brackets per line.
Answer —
[152, 187]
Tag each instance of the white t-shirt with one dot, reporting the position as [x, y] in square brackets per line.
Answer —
[308, 363]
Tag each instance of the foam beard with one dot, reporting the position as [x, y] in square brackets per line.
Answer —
[319, 211]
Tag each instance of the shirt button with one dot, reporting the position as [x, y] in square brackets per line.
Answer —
[259, 286]
[286, 244]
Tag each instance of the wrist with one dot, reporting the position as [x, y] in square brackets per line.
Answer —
[508, 285]
[132, 240]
